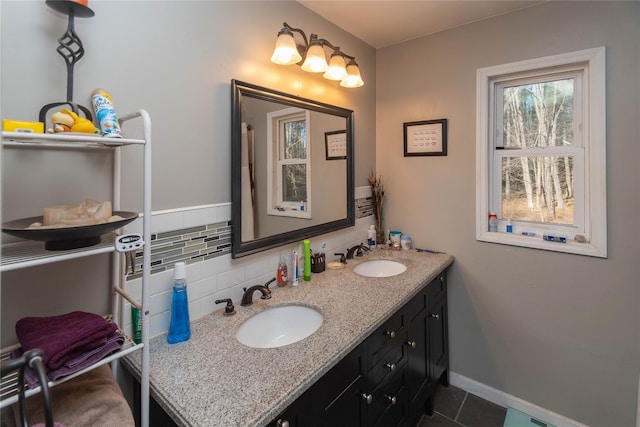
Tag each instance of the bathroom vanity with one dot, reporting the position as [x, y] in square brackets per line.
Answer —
[390, 378]
[375, 360]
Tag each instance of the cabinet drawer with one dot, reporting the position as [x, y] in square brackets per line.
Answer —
[395, 415]
[393, 403]
[386, 336]
[388, 365]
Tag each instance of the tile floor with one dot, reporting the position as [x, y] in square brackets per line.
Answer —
[455, 407]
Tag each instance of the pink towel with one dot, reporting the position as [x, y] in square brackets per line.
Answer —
[63, 337]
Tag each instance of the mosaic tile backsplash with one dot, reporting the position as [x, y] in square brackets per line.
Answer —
[201, 243]
[187, 245]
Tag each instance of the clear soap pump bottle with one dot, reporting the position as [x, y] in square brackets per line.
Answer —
[179, 329]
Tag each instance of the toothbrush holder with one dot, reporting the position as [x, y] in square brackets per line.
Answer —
[318, 262]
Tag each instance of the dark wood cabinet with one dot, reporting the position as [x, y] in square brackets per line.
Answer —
[417, 355]
[390, 379]
[334, 400]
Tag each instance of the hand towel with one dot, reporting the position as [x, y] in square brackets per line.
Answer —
[77, 363]
[63, 337]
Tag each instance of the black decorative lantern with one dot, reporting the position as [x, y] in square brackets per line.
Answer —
[70, 48]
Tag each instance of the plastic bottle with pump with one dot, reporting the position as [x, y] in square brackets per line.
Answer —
[179, 329]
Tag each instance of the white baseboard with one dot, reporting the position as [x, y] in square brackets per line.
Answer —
[508, 401]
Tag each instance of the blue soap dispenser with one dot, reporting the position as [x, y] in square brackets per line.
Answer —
[179, 329]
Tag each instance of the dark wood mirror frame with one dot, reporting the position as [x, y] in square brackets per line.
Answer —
[239, 90]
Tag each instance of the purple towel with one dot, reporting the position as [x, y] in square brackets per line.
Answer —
[77, 363]
[63, 337]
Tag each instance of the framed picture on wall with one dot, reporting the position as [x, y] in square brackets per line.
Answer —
[336, 144]
[425, 138]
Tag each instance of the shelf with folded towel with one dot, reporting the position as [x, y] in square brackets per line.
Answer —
[9, 384]
[26, 254]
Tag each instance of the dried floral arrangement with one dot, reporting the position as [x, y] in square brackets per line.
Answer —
[377, 200]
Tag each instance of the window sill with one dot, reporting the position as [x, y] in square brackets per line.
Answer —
[536, 242]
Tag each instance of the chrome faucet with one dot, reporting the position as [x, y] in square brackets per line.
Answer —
[357, 250]
[247, 296]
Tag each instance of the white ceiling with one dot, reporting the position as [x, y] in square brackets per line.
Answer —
[385, 23]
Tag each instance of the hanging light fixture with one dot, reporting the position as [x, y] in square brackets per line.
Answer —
[353, 78]
[315, 61]
[288, 52]
[337, 69]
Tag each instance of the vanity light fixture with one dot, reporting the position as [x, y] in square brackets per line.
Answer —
[311, 57]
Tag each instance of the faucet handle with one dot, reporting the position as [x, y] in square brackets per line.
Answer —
[229, 309]
[343, 259]
[361, 249]
[266, 285]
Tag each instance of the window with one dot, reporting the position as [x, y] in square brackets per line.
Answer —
[541, 153]
[289, 163]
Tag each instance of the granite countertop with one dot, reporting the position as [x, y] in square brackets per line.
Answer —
[212, 379]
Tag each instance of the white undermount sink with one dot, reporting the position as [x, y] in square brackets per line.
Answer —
[279, 326]
[380, 268]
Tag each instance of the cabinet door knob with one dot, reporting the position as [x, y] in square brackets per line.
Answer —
[392, 399]
[282, 423]
[392, 334]
[441, 279]
[435, 315]
[412, 344]
[391, 366]
[367, 398]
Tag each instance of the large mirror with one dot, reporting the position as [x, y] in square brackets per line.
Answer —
[292, 168]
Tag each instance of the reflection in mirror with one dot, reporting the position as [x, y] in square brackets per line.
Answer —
[292, 168]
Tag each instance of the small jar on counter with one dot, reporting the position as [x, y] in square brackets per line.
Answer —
[405, 242]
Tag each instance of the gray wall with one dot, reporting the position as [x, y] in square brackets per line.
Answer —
[561, 331]
[175, 59]
[558, 330]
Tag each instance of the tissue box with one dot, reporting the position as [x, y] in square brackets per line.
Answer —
[26, 127]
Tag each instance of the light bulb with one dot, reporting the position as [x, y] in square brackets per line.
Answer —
[286, 51]
[315, 62]
[337, 68]
[353, 78]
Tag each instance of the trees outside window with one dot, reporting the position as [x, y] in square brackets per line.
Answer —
[289, 163]
[541, 152]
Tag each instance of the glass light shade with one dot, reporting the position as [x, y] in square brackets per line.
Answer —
[315, 62]
[286, 51]
[353, 78]
[337, 68]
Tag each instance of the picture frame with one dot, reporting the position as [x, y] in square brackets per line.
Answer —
[425, 138]
[336, 144]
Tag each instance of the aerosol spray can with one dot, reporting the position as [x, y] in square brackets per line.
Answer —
[105, 113]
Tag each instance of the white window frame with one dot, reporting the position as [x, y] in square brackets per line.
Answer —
[590, 193]
[275, 205]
